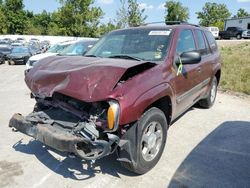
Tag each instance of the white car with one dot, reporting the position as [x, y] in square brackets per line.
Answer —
[54, 50]
[214, 31]
[246, 34]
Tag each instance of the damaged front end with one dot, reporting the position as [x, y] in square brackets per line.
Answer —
[88, 130]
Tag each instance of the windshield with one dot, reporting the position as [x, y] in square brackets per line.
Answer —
[144, 44]
[20, 50]
[57, 48]
[3, 43]
[3, 49]
[77, 49]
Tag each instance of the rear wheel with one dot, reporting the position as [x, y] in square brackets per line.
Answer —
[238, 36]
[209, 101]
[11, 62]
[151, 138]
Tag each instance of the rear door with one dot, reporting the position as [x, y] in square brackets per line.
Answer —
[205, 66]
[233, 31]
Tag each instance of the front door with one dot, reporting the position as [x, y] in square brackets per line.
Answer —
[186, 82]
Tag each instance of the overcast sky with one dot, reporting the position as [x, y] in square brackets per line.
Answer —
[154, 8]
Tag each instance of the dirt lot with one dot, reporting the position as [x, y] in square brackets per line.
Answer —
[205, 148]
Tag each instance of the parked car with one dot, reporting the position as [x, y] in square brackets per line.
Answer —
[16, 44]
[19, 55]
[35, 48]
[21, 40]
[79, 48]
[2, 59]
[5, 50]
[45, 45]
[54, 50]
[123, 95]
[230, 32]
[35, 40]
[214, 31]
[246, 34]
[8, 40]
[4, 43]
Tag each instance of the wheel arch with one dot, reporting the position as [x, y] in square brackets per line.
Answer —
[165, 105]
[218, 75]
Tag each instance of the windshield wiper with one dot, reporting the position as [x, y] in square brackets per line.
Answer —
[125, 57]
[90, 56]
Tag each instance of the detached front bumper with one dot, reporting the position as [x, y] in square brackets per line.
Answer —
[85, 145]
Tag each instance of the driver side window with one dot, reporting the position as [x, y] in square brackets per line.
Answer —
[185, 42]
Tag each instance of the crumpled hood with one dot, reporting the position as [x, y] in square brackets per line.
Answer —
[85, 78]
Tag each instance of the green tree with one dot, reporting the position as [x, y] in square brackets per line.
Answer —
[135, 14]
[15, 16]
[106, 28]
[219, 24]
[78, 17]
[175, 11]
[212, 14]
[3, 25]
[242, 13]
[122, 15]
[130, 14]
[42, 21]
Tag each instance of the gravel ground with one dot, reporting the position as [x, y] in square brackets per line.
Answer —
[205, 148]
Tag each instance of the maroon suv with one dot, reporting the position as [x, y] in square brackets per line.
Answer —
[123, 95]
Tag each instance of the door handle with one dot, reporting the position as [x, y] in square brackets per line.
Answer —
[199, 69]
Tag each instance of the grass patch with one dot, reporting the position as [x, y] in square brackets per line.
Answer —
[236, 68]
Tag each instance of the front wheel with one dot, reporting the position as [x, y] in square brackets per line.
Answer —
[238, 36]
[151, 138]
[209, 101]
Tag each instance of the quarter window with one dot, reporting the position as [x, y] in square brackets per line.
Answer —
[211, 41]
[185, 42]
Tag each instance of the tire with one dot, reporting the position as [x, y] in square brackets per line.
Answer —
[151, 138]
[209, 101]
[11, 63]
[238, 37]
[39, 107]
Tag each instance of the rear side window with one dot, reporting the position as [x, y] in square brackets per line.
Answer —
[211, 41]
[185, 42]
[201, 42]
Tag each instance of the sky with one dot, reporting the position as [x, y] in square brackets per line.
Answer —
[154, 9]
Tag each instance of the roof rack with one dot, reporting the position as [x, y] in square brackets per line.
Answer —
[172, 23]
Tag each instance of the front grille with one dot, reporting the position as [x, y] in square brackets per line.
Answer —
[248, 32]
[18, 59]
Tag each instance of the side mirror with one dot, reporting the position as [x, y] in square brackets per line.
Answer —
[189, 58]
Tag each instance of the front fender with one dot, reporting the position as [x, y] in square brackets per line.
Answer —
[132, 112]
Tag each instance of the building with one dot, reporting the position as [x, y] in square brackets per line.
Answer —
[243, 22]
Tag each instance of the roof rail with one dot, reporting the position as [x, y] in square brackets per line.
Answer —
[172, 23]
[180, 23]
